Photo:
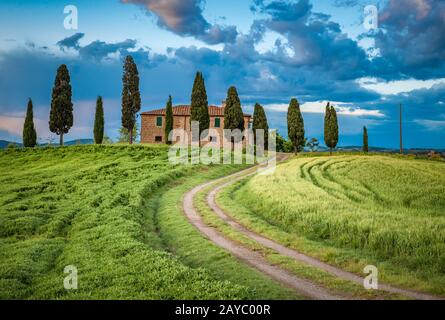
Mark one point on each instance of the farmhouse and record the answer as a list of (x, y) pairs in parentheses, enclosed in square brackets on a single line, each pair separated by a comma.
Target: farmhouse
[(153, 122)]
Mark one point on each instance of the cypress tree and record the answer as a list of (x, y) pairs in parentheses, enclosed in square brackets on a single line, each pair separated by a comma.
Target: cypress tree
[(29, 131), (61, 114), (99, 122), (199, 105), (330, 128), (365, 140), (131, 98), (295, 125), (260, 122), (233, 113), (168, 119)]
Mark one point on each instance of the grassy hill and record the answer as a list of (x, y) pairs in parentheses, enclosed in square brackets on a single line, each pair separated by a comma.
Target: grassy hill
[(113, 212), (356, 210), (86, 206)]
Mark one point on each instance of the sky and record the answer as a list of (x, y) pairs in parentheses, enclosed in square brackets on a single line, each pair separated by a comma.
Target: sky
[(365, 64)]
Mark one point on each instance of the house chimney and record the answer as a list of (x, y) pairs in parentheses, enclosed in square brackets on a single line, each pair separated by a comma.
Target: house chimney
[(223, 105)]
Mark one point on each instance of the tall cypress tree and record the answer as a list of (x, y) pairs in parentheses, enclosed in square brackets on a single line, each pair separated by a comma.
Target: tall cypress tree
[(99, 122), (233, 113), (260, 122), (61, 114), (330, 128), (295, 125), (168, 119), (131, 98), (365, 140), (199, 105), (29, 131)]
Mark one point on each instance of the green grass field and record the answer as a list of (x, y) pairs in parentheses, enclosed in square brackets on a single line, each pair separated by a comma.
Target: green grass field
[(352, 211), (115, 213)]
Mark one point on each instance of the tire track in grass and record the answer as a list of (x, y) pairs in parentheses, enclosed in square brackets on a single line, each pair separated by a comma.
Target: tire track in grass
[(312, 178), (248, 256), (323, 175), (354, 193), (285, 251)]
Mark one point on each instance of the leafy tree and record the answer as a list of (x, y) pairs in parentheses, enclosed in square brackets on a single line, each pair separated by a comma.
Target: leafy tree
[(61, 114), (330, 128), (108, 140), (124, 134), (99, 122), (295, 125), (199, 105), (131, 98), (284, 145), (29, 131), (11, 146), (313, 144), (168, 119), (365, 140), (260, 122)]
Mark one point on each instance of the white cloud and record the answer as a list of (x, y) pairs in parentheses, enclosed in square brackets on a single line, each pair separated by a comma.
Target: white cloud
[(12, 125), (431, 125), (343, 108), (396, 87), (269, 40)]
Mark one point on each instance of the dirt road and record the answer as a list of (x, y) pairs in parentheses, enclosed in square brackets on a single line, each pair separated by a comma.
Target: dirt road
[(302, 286)]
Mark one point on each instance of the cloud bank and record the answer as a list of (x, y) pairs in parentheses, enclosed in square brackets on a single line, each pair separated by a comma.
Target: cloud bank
[(185, 18)]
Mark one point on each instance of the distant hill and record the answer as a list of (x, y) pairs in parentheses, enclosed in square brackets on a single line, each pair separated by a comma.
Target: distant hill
[(79, 141), (4, 144), (72, 142), (385, 150)]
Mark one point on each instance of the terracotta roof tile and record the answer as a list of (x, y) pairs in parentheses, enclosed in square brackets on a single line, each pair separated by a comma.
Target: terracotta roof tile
[(184, 110)]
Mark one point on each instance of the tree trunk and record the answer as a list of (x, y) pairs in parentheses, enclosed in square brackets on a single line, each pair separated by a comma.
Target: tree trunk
[(61, 139), (296, 150), (131, 135), (330, 151)]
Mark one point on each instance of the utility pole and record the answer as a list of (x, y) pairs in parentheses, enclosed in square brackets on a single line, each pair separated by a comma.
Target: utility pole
[(401, 131)]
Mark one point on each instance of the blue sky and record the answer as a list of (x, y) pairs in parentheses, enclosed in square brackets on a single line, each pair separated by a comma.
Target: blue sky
[(316, 51)]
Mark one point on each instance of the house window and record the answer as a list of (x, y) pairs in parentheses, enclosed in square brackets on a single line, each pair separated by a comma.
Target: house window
[(159, 121), (213, 139), (158, 139), (217, 122)]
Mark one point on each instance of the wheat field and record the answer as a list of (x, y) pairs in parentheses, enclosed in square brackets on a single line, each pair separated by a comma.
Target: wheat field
[(386, 208)]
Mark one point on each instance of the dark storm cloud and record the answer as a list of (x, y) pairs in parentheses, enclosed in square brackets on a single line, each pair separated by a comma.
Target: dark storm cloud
[(71, 42), (314, 39), (411, 39), (312, 60), (100, 49), (185, 18), (283, 10)]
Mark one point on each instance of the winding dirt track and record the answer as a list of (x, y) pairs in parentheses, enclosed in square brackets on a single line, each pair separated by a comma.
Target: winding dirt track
[(302, 286)]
